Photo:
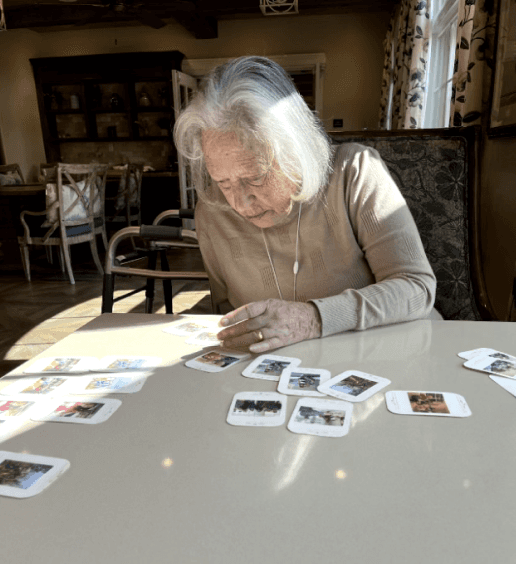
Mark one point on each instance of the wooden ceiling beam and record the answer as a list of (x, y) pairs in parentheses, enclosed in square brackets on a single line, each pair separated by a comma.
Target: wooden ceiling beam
[(199, 25)]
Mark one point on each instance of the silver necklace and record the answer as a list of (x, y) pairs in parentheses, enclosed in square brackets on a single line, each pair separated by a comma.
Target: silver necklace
[(295, 268)]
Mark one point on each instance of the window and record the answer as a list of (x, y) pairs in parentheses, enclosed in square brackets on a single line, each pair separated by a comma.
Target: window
[(442, 58)]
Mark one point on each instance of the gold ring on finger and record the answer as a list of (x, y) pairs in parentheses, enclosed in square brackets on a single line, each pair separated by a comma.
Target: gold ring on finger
[(259, 334)]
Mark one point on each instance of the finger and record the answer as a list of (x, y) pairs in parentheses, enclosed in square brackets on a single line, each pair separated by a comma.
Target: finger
[(267, 345), (243, 313), (242, 328), (242, 341)]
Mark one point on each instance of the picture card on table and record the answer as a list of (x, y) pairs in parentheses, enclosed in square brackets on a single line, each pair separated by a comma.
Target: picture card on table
[(353, 385), (188, 326), (216, 360), (42, 386), (490, 365), (70, 410), (433, 404), (26, 475), (322, 417), (469, 355), (63, 364), (507, 384), (204, 339), (108, 384), (16, 406), (300, 381), (127, 363), (257, 409), (270, 367)]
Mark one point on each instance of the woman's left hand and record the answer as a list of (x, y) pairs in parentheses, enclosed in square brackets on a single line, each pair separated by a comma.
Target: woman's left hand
[(270, 324)]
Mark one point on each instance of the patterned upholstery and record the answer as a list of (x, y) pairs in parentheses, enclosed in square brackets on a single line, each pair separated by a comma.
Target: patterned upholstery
[(432, 174)]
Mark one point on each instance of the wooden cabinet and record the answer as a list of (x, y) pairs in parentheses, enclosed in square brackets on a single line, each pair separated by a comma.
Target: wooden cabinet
[(124, 100)]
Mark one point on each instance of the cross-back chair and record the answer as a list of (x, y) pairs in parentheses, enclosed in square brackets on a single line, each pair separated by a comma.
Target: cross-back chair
[(74, 213), (125, 206), (438, 173)]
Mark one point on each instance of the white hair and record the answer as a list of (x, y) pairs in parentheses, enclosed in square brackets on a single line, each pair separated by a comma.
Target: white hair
[(255, 98)]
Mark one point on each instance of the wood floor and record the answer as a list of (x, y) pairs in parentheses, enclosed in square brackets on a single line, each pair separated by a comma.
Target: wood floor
[(34, 315)]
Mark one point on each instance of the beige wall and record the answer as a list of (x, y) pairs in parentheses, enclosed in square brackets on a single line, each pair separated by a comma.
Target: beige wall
[(352, 44)]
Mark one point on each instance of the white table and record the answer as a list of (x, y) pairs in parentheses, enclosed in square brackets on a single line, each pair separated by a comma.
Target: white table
[(396, 489)]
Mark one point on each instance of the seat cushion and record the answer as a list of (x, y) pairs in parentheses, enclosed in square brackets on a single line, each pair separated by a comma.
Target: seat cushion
[(72, 230), (39, 229)]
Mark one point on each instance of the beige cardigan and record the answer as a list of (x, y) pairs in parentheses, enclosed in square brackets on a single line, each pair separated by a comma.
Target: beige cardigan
[(361, 260)]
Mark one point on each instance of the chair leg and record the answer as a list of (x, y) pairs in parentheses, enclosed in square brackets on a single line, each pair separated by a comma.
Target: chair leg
[(167, 284), (50, 256), (108, 290), (149, 289), (104, 239), (96, 259), (61, 258), (24, 250), (68, 262)]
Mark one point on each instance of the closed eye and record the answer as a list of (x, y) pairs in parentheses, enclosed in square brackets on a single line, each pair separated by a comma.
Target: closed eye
[(224, 185), (257, 181)]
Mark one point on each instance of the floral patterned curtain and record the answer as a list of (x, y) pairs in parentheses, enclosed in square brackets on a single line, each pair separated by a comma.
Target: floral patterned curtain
[(474, 62), (405, 67)]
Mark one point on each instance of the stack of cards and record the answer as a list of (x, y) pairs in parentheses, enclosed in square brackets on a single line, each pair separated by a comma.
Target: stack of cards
[(199, 332), (501, 366), (204, 334)]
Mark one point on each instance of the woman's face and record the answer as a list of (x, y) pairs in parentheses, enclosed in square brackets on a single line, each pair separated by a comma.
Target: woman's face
[(264, 200)]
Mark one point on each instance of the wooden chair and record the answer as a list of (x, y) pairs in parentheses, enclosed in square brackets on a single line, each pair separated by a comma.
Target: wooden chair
[(126, 205), (11, 174), (124, 208), (438, 173), (74, 213)]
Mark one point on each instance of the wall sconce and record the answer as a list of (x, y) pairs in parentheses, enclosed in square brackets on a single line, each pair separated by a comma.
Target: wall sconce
[(3, 27), (278, 7)]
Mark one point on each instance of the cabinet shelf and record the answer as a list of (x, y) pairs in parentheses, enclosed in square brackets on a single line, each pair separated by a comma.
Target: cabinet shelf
[(151, 109), (104, 111), (70, 134), (64, 112)]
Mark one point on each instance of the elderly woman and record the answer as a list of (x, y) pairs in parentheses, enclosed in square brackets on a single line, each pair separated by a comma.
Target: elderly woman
[(299, 240)]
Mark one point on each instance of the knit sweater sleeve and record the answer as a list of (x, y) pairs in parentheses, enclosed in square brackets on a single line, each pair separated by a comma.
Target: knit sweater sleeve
[(385, 230)]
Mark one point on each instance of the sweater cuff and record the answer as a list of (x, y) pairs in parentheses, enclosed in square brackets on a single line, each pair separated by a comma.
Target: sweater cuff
[(338, 313)]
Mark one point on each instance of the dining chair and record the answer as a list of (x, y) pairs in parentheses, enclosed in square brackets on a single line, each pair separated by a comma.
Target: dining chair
[(125, 207), (74, 213), (438, 173), (11, 174), (158, 240)]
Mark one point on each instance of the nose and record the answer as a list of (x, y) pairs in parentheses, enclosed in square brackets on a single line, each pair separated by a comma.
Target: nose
[(243, 197)]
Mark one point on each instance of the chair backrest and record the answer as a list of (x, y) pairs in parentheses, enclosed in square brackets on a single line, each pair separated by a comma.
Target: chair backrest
[(47, 172), (75, 193), (128, 198), (437, 171), (11, 174)]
